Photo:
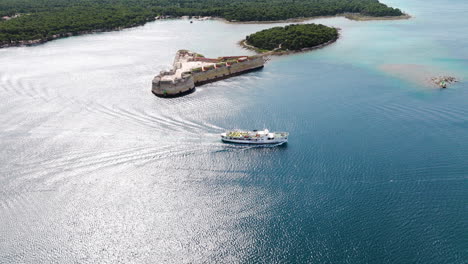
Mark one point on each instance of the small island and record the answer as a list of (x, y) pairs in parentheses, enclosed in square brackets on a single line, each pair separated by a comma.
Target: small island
[(291, 38)]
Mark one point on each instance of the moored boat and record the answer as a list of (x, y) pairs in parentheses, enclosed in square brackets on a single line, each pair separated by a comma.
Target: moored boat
[(254, 137)]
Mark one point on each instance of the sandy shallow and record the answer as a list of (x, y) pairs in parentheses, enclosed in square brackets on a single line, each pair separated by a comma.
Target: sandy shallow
[(415, 73)]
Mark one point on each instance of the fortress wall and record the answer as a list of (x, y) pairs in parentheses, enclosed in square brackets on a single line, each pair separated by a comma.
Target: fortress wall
[(226, 72), (211, 74), (170, 88), (247, 65), (189, 80), (206, 60)]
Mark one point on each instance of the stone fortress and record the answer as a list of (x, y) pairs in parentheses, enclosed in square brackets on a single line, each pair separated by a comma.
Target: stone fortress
[(191, 69)]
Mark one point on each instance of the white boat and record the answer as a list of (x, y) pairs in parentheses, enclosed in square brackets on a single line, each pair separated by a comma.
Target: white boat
[(254, 137)]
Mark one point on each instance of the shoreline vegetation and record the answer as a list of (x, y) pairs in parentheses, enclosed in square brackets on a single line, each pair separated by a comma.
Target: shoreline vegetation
[(359, 17), (290, 39), (350, 16), (34, 42), (245, 45), (32, 22)]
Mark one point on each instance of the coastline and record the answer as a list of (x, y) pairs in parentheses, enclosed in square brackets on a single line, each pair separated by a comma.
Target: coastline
[(243, 43), (351, 16), (34, 42), (359, 17)]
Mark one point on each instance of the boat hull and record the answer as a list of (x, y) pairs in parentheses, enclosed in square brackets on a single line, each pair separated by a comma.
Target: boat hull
[(255, 142)]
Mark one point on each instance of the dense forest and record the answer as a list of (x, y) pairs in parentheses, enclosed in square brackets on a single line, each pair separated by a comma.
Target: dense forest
[(292, 37), (42, 19)]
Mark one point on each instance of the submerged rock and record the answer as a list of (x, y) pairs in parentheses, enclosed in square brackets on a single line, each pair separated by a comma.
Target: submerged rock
[(443, 81)]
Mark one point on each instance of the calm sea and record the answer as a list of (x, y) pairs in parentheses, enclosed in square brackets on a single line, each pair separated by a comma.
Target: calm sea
[(95, 169)]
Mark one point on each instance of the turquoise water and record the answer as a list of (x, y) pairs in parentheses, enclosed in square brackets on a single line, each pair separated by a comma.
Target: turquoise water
[(95, 169)]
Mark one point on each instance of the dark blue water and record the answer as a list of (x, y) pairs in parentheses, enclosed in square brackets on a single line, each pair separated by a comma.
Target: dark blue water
[(95, 169), (367, 177)]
